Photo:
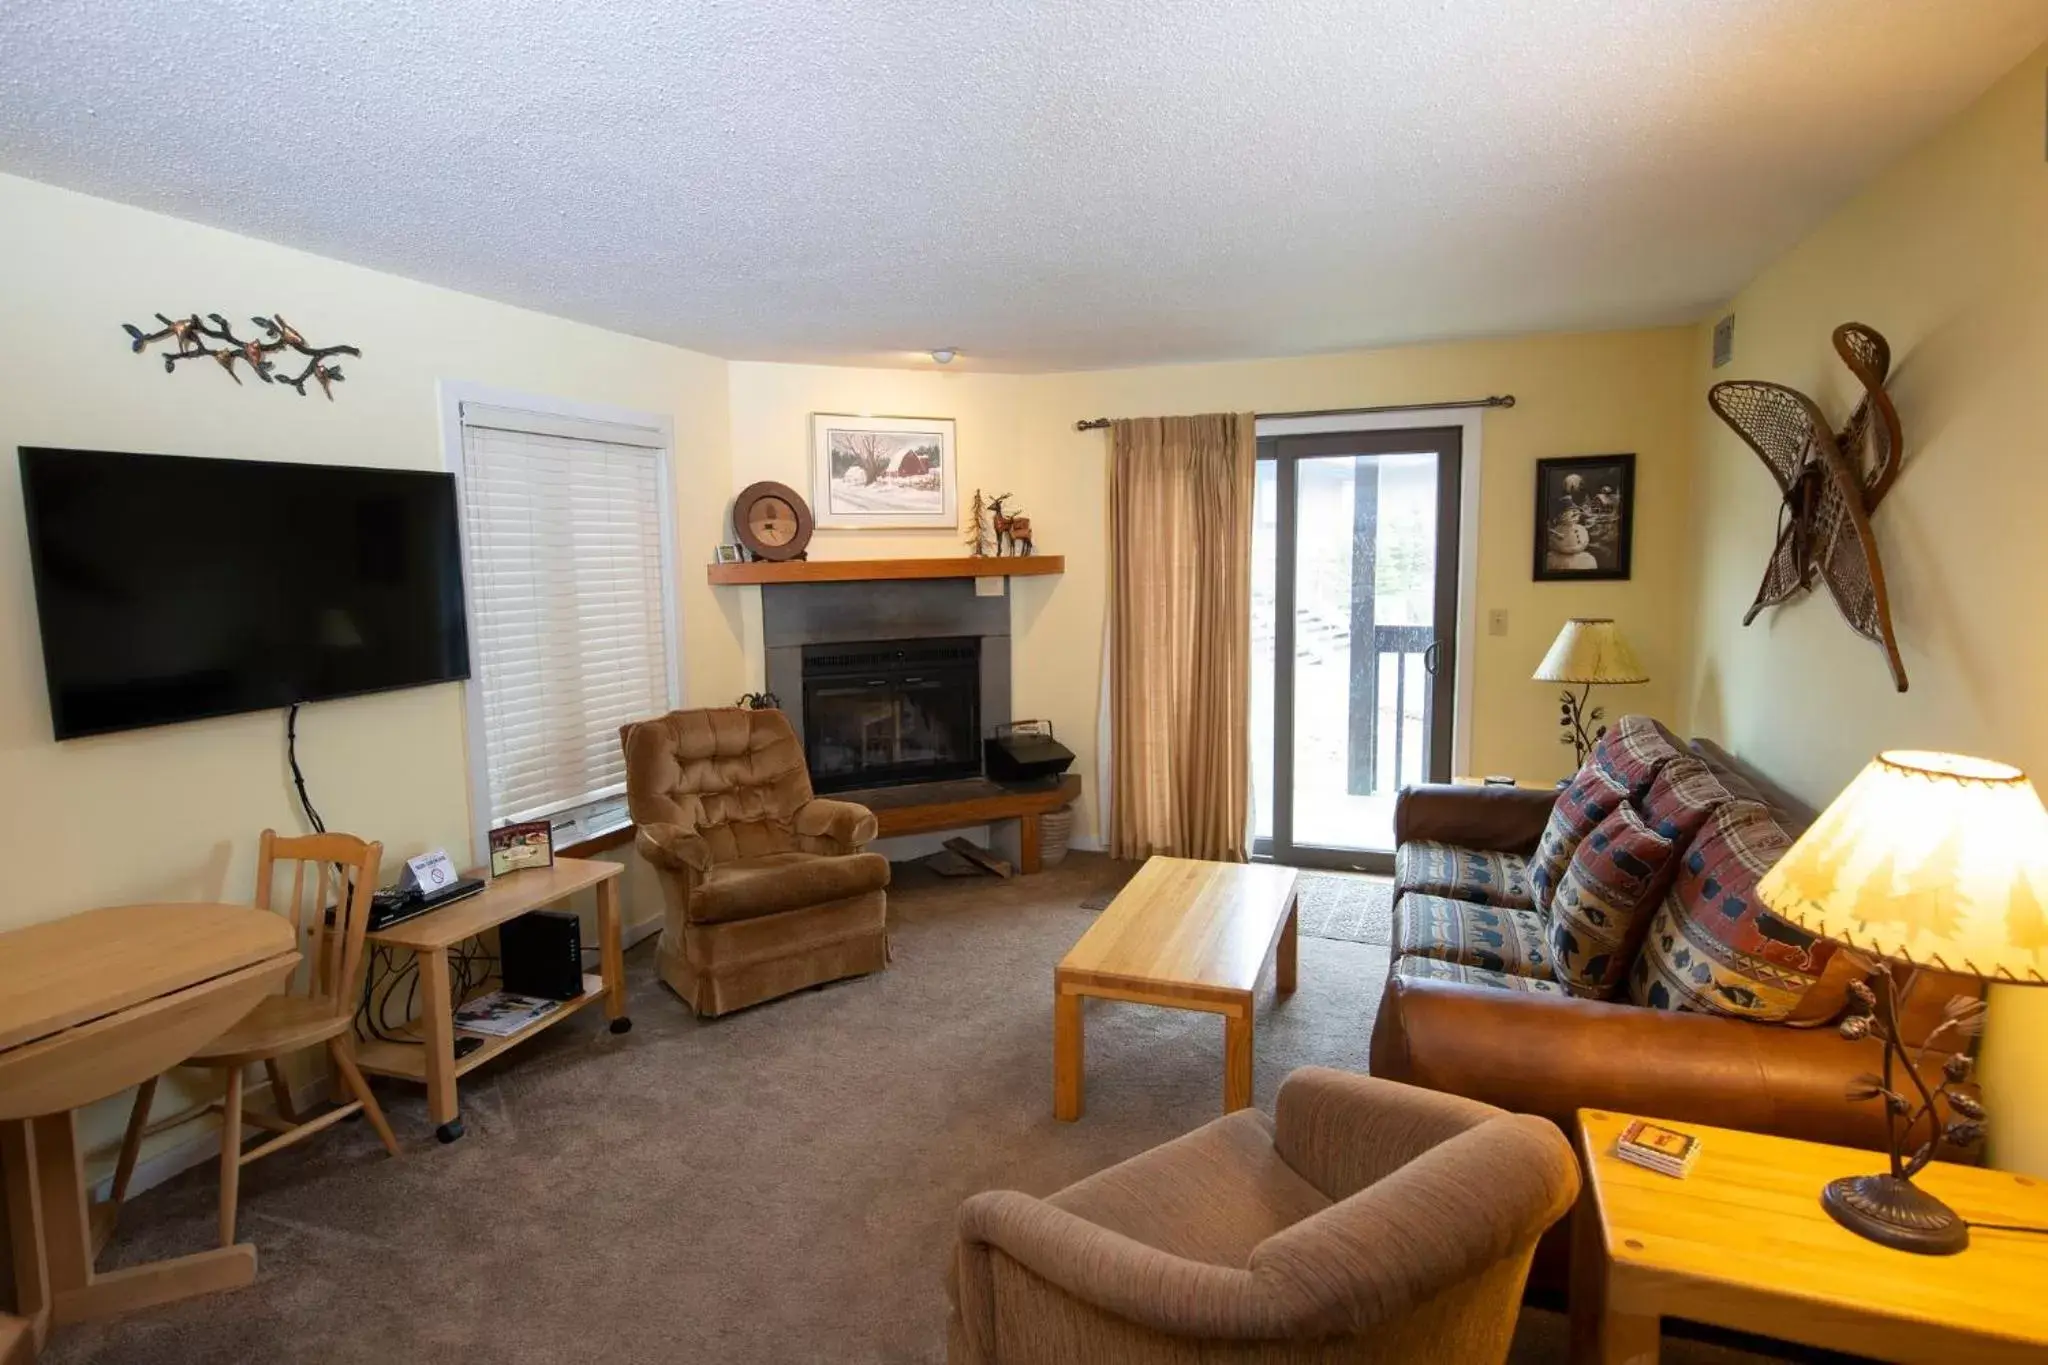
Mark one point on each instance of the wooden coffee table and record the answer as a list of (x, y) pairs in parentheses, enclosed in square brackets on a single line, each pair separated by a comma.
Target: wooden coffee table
[(1189, 935), (1743, 1242)]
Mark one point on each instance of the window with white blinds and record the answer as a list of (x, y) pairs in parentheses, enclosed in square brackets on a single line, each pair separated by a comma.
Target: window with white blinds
[(569, 627)]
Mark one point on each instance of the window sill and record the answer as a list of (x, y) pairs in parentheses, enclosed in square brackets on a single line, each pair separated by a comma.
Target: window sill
[(603, 841)]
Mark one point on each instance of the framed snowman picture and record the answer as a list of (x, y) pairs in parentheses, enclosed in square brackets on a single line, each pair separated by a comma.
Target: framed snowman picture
[(1585, 517)]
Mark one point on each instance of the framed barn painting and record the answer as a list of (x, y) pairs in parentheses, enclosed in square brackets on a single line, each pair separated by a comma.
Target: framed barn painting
[(883, 472), (1585, 517)]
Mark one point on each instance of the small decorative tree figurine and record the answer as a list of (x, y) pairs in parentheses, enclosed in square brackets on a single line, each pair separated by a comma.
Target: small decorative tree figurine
[(977, 527)]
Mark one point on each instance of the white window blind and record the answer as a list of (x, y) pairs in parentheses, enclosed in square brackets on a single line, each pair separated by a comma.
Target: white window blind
[(569, 628)]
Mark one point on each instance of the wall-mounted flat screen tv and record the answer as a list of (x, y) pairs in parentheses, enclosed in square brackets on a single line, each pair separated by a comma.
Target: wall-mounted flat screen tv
[(170, 588)]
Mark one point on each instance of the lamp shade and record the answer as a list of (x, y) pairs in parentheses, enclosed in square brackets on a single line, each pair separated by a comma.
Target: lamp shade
[(1926, 858), (1590, 650)]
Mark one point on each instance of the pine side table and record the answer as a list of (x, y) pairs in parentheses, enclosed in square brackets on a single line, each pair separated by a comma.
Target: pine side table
[(1743, 1242)]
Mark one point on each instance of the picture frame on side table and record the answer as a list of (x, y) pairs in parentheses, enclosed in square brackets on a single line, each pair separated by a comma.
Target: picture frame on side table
[(894, 473), (530, 843), (1585, 518)]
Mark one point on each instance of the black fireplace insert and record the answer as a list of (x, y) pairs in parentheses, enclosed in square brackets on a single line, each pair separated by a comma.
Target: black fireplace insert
[(884, 713)]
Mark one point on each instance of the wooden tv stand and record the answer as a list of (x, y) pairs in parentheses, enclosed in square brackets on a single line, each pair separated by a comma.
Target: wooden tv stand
[(432, 1060), (933, 806)]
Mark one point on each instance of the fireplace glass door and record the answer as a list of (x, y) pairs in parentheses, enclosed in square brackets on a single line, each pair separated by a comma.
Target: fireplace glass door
[(892, 712)]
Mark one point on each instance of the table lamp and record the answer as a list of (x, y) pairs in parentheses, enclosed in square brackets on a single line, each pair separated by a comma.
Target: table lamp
[(1926, 859), (1588, 650)]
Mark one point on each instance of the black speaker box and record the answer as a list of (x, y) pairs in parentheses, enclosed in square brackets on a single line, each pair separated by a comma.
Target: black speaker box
[(542, 954)]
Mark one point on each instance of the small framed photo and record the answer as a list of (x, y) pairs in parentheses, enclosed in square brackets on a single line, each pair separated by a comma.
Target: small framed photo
[(528, 844), (882, 472), (1585, 517), (729, 554)]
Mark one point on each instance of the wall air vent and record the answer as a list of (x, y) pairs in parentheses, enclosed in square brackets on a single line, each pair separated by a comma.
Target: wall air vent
[(1724, 341)]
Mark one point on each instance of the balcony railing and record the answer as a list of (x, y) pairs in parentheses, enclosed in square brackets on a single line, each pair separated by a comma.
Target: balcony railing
[(1373, 768)]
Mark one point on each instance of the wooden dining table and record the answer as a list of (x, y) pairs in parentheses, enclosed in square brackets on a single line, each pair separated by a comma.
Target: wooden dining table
[(89, 1006)]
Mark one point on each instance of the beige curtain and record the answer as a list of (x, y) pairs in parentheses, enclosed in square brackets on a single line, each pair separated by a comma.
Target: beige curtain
[(1180, 506)]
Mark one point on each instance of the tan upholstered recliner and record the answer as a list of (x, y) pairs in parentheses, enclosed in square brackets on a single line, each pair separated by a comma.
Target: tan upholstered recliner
[(1366, 1221), (768, 890)]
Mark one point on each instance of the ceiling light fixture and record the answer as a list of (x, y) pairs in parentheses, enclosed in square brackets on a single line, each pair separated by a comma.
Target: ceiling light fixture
[(944, 355)]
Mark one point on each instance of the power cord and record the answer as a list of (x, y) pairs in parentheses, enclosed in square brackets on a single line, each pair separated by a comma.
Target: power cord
[(472, 966), (291, 750)]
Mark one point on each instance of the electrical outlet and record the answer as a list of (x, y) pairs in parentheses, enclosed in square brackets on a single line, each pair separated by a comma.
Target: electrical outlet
[(1497, 622)]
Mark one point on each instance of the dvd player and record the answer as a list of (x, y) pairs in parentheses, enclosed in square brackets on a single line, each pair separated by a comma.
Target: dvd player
[(396, 904)]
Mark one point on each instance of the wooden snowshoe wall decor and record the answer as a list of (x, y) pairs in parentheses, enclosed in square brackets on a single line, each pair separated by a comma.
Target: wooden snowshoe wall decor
[(1830, 482)]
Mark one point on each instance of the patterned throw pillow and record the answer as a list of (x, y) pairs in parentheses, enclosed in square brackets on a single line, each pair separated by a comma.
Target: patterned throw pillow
[(1633, 750), (1591, 798), (1713, 948), (1608, 891), (1681, 798)]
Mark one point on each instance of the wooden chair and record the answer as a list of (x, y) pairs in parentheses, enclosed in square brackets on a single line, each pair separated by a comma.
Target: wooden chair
[(317, 1006)]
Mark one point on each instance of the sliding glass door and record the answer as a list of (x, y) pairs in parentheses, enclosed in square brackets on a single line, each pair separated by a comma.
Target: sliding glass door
[(1354, 637)]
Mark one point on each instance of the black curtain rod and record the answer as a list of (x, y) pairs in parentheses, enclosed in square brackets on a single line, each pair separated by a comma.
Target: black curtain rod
[(1499, 400)]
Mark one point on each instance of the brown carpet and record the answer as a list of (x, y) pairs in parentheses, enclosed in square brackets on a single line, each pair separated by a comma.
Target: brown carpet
[(775, 1186)]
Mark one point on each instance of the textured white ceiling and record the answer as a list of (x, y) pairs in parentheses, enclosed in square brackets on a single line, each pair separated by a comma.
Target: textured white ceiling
[(1046, 184)]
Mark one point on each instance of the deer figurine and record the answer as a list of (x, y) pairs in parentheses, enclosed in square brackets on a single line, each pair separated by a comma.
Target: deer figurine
[(1001, 523), (1013, 533)]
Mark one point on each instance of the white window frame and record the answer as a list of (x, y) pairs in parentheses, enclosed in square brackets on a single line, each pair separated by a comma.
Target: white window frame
[(451, 395)]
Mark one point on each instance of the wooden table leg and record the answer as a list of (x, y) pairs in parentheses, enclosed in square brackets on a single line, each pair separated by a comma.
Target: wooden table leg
[(1237, 1058), (17, 1340), (77, 1293), (1028, 857), (25, 1227), (67, 1225), (439, 1018), (612, 953), (1068, 1046), (1285, 957), (1600, 1334)]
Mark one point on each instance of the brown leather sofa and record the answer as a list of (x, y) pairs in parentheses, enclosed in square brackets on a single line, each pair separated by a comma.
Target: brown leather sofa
[(1551, 1054), (768, 889)]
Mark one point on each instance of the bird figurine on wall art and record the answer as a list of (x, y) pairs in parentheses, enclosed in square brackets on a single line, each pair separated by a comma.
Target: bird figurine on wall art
[(1830, 483)]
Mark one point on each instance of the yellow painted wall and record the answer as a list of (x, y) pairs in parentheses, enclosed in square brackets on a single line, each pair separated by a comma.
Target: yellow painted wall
[(1946, 254), (1576, 395), (174, 813)]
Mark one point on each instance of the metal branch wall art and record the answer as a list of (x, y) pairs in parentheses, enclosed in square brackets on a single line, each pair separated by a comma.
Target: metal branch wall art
[(191, 337), (1830, 483)]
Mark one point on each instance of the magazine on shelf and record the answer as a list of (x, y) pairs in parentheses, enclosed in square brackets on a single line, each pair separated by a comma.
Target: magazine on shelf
[(503, 1013)]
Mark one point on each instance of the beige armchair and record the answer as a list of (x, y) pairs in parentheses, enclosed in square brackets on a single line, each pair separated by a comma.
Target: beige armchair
[(1366, 1221), (768, 889)]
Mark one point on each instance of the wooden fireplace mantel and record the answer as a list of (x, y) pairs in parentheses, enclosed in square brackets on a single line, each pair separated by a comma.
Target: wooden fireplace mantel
[(872, 570)]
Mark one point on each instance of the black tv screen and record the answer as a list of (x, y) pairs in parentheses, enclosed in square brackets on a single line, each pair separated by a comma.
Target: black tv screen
[(170, 588)]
